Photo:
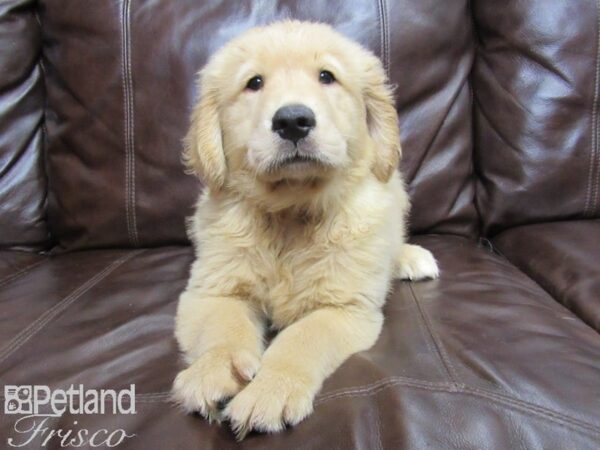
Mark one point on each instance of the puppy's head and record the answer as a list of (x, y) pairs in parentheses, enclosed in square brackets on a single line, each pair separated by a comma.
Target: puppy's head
[(288, 108)]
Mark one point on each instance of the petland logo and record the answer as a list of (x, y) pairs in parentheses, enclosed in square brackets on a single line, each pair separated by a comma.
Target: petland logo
[(37, 404)]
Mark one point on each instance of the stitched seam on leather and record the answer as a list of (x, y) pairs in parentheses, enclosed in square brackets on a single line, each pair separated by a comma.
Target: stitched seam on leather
[(539, 411), (380, 20), (530, 407), (125, 119), (384, 34), (166, 395), (434, 337), (428, 341), (33, 328), (129, 123), (132, 125), (382, 384), (24, 270), (595, 124), (378, 386), (151, 397), (592, 186), (378, 430)]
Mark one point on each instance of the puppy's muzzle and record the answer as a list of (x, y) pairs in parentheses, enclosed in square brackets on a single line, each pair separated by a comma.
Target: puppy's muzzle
[(293, 122)]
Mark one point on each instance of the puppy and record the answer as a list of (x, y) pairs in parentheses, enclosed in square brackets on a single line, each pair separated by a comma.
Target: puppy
[(301, 226)]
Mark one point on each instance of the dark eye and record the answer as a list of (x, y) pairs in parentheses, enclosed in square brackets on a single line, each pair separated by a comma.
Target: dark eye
[(255, 83), (326, 77)]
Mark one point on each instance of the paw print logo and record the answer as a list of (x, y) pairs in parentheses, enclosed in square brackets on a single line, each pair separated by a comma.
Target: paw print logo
[(18, 399)]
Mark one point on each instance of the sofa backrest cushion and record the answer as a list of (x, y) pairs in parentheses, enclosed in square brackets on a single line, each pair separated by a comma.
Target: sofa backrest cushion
[(22, 177), (121, 84), (537, 90)]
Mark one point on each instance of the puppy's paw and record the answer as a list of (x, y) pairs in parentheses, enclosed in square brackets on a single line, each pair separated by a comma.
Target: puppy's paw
[(213, 378), (269, 402), (416, 263)]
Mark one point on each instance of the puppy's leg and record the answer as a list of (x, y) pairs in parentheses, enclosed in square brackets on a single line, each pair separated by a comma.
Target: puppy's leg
[(222, 339), (413, 262), (295, 365)]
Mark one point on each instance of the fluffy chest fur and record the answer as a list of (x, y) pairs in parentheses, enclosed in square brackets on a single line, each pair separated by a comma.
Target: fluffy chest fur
[(288, 264)]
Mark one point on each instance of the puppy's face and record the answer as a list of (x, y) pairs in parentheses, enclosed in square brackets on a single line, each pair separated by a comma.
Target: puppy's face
[(291, 104), (291, 117)]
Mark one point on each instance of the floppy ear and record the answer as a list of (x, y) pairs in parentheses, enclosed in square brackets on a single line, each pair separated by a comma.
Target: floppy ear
[(382, 120), (203, 154)]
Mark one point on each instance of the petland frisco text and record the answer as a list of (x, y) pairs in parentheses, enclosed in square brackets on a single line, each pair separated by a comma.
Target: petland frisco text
[(38, 405)]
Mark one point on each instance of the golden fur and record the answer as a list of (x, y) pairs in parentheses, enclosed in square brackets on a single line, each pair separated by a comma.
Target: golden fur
[(308, 248)]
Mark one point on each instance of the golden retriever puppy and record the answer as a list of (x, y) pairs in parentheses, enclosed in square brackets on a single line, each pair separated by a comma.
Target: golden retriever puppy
[(301, 227)]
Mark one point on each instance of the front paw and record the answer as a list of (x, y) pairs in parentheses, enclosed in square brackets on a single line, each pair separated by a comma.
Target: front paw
[(416, 263), (216, 376), (272, 400)]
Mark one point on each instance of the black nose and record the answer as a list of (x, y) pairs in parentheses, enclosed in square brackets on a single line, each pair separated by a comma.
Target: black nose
[(293, 122)]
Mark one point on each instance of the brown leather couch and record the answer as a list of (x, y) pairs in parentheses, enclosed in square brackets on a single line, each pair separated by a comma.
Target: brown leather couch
[(499, 105)]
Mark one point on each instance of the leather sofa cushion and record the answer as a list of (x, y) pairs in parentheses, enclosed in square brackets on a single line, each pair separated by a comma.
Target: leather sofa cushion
[(120, 85), (22, 177), (564, 258), (14, 264), (535, 85), (482, 355)]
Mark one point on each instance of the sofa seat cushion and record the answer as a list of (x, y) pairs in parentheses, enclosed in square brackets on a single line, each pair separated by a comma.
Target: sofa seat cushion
[(564, 258), (14, 264), (481, 357)]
